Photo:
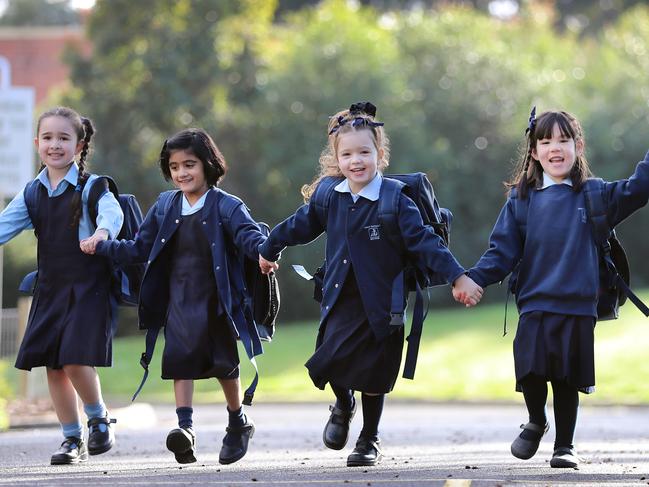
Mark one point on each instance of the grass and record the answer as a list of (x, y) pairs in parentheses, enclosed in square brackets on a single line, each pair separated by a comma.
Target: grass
[(463, 357)]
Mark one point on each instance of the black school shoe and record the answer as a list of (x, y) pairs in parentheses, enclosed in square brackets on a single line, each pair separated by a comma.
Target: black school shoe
[(524, 448), (72, 450), (336, 431), (235, 442), (564, 457), (182, 443), (366, 453), (100, 441)]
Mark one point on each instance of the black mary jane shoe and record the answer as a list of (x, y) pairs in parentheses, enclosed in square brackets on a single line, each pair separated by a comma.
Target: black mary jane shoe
[(235, 442), (564, 457), (336, 431), (182, 443), (100, 441), (72, 450), (526, 448), (366, 453)]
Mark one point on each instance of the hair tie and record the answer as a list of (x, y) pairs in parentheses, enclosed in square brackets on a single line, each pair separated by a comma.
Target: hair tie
[(78, 187), (532, 121)]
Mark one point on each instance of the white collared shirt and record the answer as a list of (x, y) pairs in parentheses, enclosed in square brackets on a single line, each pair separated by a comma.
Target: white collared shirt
[(370, 191), (548, 181), (188, 209)]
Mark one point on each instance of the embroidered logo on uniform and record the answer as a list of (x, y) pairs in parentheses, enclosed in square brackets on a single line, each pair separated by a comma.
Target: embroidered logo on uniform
[(373, 232), (582, 215)]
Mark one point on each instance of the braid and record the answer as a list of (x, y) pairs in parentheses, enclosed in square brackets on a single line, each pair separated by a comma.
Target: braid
[(76, 204)]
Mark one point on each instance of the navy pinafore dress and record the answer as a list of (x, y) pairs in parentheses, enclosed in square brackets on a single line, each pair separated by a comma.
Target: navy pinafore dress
[(71, 318), (199, 342)]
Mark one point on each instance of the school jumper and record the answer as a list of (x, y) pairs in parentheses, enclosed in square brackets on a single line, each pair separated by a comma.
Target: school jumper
[(72, 316), (558, 277), (356, 348), (188, 283)]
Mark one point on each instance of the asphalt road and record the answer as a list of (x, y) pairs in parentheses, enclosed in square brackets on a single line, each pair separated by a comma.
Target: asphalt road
[(424, 444)]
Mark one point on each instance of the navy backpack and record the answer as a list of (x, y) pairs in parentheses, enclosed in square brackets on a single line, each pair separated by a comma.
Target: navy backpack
[(126, 279)]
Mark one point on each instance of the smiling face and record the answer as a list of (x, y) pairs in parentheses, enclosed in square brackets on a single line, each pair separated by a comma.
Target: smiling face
[(557, 154), (187, 174), (57, 142), (358, 157)]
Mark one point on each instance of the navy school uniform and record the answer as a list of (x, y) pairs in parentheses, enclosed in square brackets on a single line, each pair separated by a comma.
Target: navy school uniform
[(72, 316), (189, 285), (558, 278), (356, 348)]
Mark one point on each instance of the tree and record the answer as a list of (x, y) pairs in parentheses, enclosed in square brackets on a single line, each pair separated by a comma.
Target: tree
[(21, 13)]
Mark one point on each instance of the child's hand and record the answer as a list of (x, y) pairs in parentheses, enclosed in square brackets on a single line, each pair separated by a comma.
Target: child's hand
[(466, 291), (267, 266), (88, 245)]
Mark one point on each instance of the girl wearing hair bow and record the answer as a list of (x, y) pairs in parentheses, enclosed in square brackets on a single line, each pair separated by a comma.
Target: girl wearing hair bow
[(357, 349), (555, 256)]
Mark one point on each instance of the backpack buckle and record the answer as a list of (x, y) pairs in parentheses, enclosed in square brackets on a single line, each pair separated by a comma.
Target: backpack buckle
[(396, 319), (247, 398), (144, 361)]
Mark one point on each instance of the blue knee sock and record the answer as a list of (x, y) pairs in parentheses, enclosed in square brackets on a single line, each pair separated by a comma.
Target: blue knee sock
[(74, 430), (97, 410), (185, 417)]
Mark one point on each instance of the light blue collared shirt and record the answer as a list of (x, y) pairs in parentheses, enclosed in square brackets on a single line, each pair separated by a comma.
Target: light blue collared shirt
[(548, 181), (188, 209), (370, 192), (15, 217)]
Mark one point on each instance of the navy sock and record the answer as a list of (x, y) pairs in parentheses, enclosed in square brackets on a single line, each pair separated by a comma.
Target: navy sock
[(566, 407), (535, 392), (185, 417), (372, 410), (344, 397), (236, 417)]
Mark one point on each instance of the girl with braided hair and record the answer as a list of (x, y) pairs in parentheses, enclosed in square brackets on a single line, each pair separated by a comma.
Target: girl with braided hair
[(544, 234), (357, 347), (71, 319), (192, 239)]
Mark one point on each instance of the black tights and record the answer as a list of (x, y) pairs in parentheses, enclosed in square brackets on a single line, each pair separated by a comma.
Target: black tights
[(566, 406), (372, 409)]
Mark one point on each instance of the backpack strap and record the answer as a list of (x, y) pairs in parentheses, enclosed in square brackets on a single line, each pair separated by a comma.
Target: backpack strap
[(388, 207), (247, 333), (99, 187), (165, 201), (322, 196), (32, 193)]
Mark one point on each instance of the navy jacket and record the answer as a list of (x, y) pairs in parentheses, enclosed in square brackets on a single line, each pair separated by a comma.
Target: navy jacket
[(226, 232), (355, 238), (559, 266)]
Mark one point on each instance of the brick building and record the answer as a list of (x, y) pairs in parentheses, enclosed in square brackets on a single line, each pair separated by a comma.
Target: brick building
[(35, 55)]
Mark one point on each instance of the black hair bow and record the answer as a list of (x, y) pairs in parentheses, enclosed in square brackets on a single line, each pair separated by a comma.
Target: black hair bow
[(532, 121), (363, 107)]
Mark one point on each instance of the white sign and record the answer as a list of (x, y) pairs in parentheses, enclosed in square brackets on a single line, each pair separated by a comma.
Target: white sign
[(16, 139)]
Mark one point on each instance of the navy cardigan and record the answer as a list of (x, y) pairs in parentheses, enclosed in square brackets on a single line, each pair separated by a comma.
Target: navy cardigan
[(227, 225), (355, 238)]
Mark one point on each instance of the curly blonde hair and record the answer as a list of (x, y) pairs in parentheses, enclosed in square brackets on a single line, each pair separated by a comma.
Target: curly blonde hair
[(344, 122)]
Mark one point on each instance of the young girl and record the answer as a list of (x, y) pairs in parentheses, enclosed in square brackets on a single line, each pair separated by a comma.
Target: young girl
[(71, 318), (355, 348), (558, 269), (188, 238)]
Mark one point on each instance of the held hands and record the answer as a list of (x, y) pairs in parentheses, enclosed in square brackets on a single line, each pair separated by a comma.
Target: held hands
[(466, 291), (267, 266), (88, 245)]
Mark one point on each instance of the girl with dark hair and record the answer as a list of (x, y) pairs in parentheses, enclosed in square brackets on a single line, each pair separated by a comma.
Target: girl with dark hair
[(357, 349), (192, 239), (72, 293), (556, 260)]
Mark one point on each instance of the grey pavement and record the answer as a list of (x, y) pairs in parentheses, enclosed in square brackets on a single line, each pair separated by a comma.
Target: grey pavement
[(424, 445)]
